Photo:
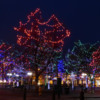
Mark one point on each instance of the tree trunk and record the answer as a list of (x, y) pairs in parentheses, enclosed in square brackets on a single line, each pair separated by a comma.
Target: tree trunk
[(21, 80), (91, 83), (77, 79), (82, 81), (46, 80), (66, 79), (36, 85), (57, 71)]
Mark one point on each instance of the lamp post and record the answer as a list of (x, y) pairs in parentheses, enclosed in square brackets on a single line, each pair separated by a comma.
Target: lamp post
[(73, 78), (84, 75), (92, 83), (17, 80), (30, 75), (9, 75), (48, 82)]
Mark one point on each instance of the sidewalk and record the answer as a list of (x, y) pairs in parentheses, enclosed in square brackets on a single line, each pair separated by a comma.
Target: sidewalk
[(74, 96), (7, 94)]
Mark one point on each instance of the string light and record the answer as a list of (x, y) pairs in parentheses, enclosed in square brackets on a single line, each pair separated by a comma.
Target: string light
[(5, 59), (96, 58), (33, 29)]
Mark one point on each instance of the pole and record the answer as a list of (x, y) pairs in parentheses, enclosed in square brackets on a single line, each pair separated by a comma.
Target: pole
[(72, 84), (86, 81)]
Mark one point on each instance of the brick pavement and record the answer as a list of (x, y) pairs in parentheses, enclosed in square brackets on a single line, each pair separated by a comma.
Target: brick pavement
[(7, 94)]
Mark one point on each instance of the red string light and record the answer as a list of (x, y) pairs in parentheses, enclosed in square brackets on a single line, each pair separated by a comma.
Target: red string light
[(96, 58), (33, 29)]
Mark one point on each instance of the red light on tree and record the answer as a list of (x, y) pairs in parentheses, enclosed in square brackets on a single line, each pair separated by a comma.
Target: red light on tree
[(5, 59), (51, 31), (96, 58)]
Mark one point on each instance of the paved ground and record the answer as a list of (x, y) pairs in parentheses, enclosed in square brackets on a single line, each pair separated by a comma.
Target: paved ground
[(17, 94)]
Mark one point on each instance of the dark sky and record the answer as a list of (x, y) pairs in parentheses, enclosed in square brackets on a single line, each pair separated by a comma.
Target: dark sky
[(81, 17)]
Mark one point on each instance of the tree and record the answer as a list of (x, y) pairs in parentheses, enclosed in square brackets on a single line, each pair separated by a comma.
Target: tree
[(42, 39), (72, 65), (80, 57), (72, 62), (95, 63), (6, 62), (95, 58), (84, 52), (9, 60)]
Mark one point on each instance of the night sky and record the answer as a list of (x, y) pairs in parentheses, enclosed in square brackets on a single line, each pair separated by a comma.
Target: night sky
[(81, 17)]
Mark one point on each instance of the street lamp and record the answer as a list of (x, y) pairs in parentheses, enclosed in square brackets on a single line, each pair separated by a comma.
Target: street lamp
[(29, 74), (17, 75), (84, 74), (9, 74)]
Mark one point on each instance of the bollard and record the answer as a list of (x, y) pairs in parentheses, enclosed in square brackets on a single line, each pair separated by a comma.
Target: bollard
[(53, 96), (24, 97), (82, 95), (59, 90)]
